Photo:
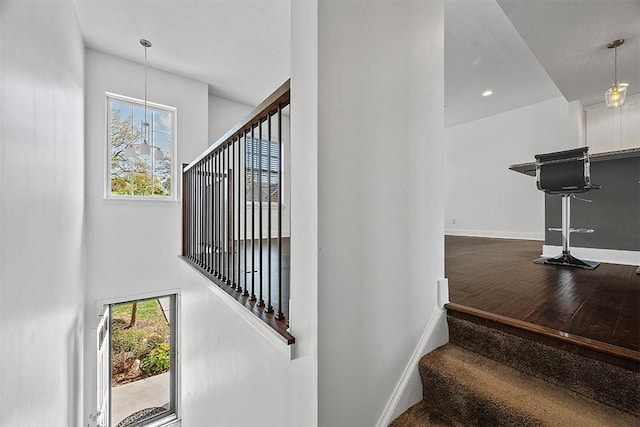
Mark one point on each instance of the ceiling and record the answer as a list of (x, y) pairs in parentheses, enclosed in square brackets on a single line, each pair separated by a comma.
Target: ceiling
[(483, 51), (531, 51), (241, 48), (525, 51), (572, 43)]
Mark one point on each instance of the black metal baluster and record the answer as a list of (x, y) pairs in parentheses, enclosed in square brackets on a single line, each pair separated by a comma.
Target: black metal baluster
[(253, 215), (245, 235), (200, 236), (192, 213), (220, 213), (232, 212), (269, 308), (186, 198), (225, 198), (209, 211), (279, 315), (217, 213), (240, 176), (197, 213), (214, 212), (261, 299), (205, 217)]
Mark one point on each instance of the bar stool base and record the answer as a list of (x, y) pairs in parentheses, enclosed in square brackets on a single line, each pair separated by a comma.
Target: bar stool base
[(568, 260)]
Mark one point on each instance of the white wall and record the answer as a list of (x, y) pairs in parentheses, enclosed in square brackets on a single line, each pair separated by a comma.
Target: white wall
[(483, 196), (224, 114), (577, 126), (611, 129), (227, 366), (41, 214), (380, 197)]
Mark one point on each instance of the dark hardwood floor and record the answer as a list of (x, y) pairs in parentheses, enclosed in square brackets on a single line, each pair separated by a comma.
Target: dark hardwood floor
[(498, 276)]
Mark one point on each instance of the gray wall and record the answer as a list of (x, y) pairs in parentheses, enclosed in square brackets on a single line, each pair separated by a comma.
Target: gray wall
[(614, 213)]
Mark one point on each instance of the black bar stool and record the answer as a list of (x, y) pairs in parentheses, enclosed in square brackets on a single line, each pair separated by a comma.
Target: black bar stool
[(566, 173)]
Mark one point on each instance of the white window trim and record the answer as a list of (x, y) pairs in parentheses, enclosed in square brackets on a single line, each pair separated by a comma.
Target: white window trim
[(174, 167)]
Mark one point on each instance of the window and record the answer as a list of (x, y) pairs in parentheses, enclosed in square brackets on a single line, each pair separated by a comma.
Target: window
[(137, 367), (261, 168), (141, 150)]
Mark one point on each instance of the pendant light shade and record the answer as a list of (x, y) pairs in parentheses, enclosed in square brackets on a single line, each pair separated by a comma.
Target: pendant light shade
[(158, 154), (145, 150), (130, 152), (616, 94)]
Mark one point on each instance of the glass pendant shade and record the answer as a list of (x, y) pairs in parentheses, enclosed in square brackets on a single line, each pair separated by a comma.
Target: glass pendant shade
[(158, 154), (130, 152), (615, 95), (145, 150)]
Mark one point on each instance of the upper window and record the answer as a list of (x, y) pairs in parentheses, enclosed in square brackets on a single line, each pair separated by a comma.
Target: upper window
[(141, 149), (262, 159)]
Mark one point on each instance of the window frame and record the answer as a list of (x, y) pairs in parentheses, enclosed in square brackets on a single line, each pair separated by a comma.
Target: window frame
[(282, 148), (173, 418), (174, 145)]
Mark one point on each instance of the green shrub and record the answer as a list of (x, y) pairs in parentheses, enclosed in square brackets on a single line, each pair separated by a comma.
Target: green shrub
[(155, 340), (157, 361), (132, 341)]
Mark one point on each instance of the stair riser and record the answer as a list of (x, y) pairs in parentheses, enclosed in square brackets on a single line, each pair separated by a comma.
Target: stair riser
[(448, 396), (591, 378)]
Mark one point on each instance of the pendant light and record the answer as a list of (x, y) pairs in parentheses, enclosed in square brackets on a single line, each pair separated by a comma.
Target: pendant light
[(615, 95), (144, 126), (144, 147)]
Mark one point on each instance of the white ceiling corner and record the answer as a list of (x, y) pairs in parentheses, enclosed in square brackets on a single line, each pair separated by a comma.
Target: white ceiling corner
[(240, 48), (569, 38), (484, 51)]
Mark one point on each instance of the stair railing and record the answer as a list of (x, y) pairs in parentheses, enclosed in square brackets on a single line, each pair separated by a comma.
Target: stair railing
[(226, 236)]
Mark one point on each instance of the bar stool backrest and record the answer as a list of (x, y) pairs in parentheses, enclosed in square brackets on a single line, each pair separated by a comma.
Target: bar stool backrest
[(564, 172)]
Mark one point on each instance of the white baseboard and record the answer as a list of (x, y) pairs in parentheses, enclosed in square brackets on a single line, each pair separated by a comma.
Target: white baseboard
[(521, 235), (611, 256), (411, 369)]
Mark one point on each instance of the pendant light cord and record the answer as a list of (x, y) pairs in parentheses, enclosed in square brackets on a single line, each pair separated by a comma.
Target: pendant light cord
[(615, 66), (145, 91)]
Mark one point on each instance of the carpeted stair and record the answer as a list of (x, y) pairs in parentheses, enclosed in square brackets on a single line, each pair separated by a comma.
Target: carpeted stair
[(486, 377)]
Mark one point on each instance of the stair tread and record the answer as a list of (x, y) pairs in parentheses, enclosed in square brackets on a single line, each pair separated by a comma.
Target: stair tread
[(422, 415), (606, 383), (540, 401)]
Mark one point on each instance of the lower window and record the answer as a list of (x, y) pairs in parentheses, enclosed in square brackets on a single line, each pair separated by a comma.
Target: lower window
[(136, 344)]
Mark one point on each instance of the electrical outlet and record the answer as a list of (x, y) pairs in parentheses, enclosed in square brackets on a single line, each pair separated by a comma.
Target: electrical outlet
[(453, 220)]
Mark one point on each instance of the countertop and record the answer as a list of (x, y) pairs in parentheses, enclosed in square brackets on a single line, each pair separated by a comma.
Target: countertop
[(530, 168)]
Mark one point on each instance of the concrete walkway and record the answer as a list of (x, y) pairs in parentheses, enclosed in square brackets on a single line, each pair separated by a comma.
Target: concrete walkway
[(129, 398)]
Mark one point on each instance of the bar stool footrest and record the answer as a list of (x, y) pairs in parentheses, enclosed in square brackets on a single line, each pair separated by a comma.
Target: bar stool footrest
[(573, 230)]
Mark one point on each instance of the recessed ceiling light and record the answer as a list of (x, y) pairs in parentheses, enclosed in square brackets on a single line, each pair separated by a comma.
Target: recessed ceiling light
[(487, 93)]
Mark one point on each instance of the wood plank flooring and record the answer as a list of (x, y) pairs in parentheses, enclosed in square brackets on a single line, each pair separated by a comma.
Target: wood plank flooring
[(499, 276)]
